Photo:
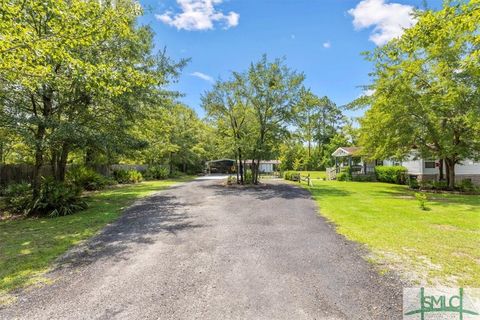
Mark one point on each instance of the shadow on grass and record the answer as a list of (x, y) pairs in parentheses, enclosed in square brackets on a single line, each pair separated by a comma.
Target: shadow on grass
[(138, 225)]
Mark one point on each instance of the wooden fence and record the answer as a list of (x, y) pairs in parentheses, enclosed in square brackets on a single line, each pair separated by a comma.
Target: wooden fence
[(16, 173)]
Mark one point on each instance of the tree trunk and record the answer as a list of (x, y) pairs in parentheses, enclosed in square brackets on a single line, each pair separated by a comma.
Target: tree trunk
[(237, 169), (440, 168), (450, 173), (36, 180), (54, 162), (244, 171), (2, 153), (62, 164), (47, 104), (309, 154), (253, 169), (240, 169)]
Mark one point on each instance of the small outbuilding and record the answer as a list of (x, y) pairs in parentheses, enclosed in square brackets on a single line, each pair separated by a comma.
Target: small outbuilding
[(220, 166)]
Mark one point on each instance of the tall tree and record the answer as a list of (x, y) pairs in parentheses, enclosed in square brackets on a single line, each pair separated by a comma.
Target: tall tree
[(273, 90), (426, 89), (317, 121), (66, 66), (228, 107)]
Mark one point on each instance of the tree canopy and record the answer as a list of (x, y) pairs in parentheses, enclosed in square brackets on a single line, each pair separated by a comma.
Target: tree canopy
[(426, 90)]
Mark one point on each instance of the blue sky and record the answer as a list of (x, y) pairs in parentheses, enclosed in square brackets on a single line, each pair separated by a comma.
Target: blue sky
[(322, 38)]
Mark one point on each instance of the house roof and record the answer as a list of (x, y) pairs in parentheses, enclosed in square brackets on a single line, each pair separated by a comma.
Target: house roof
[(347, 151), (220, 160)]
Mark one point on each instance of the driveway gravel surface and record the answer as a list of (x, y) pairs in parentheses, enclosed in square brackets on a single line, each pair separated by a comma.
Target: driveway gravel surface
[(201, 250)]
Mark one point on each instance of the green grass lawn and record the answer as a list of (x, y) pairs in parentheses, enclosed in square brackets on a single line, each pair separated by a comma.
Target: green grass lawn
[(437, 246), (28, 247)]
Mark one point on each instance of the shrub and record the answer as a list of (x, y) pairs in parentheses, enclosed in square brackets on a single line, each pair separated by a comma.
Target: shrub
[(422, 200), (248, 177), (127, 176), (287, 175), (231, 180), (19, 197), (466, 185), (426, 184), (413, 183), (439, 185), (395, 174), (57, 199), (156, 173), (292, 175), (87, 178), (345, 174)]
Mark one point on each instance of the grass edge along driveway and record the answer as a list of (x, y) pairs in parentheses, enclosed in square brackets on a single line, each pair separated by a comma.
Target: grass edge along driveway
[(28, 247), (440, 246)]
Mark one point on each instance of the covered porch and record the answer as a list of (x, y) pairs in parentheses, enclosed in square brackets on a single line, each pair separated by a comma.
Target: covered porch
[(350, 157)]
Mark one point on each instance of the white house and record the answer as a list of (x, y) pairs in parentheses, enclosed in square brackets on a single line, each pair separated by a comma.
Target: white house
[(429, 169), (266, 166), (423, 169)]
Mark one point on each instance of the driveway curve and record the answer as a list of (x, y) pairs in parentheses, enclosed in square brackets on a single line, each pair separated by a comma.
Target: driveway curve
[(201, 250)]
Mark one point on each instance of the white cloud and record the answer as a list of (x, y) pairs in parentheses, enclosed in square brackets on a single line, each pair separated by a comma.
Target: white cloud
[(327, 45), (369, 92), (202, 76), (199, 15), (388, 19), (292, 37)]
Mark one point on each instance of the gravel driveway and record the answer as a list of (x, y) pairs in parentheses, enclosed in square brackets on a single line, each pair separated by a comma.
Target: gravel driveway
[(204, 251)]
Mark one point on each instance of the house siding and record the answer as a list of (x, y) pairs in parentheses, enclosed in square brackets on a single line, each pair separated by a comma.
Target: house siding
[(468, 169)]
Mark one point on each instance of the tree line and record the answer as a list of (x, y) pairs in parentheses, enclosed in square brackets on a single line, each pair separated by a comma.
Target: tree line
[(262, 112), (80, 81), (426, 94)]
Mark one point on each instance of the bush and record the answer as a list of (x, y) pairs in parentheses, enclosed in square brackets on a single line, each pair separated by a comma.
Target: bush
[(19, 197), (87, 178), (466, 185), (292, 175), (127, 176), (231, 180), (345, 174), (395, 174), (287, 175), (248, 177), (422, 200), (439, 185), (156, 173), (57, 199), (426, 184), (413, 183)]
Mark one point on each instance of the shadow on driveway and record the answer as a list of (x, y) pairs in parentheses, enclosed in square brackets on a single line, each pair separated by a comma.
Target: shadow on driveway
[(268, 191), (138, 225)]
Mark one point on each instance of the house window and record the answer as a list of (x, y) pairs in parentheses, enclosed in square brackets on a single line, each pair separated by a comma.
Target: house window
[(430, 164), (379, 162)]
